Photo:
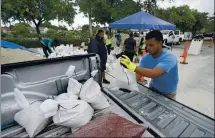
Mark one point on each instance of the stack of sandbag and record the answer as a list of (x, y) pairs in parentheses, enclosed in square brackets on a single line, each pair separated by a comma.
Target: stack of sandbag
[(68, 50), (72, 109), (90, 91)]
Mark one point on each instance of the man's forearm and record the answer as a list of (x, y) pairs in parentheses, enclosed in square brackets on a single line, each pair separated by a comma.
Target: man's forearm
[(138, 76), (150, 73)]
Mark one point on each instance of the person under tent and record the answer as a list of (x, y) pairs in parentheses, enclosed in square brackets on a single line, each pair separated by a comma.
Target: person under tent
[(130, 46), (118, 38)]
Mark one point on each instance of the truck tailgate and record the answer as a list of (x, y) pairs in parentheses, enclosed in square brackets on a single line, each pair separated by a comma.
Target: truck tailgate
[(165, 117)]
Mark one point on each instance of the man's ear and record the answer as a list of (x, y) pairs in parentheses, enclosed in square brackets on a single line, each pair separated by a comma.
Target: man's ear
[(161, 43)]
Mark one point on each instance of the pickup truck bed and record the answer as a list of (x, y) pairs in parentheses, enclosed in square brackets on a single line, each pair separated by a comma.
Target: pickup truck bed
[(43, 78)]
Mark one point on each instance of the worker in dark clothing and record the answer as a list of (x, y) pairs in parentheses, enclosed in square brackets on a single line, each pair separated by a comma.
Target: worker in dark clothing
[(130, 46), (98, 46), (47, 44)]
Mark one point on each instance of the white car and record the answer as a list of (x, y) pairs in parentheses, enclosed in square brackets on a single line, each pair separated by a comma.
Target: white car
[(170, 37)]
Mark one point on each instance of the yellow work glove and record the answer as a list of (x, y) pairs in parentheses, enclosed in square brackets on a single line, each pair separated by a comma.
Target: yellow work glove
[(126, 62)]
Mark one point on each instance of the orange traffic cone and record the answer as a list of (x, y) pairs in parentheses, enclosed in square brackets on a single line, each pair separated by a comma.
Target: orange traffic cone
[(187, 44), (185, 53), (211, 44), (185, 58)]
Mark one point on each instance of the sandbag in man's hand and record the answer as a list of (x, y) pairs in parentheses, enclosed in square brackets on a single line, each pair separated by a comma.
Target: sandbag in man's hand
[(126, 62)]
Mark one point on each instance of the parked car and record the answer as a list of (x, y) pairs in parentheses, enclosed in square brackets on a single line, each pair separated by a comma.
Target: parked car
[(198, 36), (170, 37), (179, 34), (208, 34)]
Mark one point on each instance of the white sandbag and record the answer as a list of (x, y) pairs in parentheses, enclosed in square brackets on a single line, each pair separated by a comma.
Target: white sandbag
[(66, 96), (73, 114), (32, 119), (20, 99), (113, 65), (49, 107), (74, 87), (108, 68), (91, 92), (93, 73), (70, 71), (83, 44), (125, 78), (69, 113)]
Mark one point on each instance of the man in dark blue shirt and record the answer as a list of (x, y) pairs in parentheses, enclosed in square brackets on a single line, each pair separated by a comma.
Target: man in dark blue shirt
[(97, 46)]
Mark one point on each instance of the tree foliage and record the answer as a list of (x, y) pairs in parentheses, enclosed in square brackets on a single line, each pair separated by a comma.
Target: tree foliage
[(211, 26), (183, 17), (37, 11), (21, 29)]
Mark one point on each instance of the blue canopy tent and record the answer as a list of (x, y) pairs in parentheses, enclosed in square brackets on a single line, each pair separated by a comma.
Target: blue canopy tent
[(142, 20)]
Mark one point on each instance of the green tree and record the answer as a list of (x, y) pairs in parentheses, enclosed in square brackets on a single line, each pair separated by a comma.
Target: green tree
[(200, 22), (37, 11), (210, 26), (21, 29), (51, 33), (183, 17), (106, 11)]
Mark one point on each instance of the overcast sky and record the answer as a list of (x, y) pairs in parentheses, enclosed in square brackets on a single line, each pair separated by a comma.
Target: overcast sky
[(200, 5)]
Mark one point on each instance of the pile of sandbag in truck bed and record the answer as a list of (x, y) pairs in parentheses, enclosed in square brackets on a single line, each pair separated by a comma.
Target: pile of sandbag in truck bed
[(73, 109)]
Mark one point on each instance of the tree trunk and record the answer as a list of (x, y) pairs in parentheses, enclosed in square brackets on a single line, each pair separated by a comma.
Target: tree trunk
[(38, 31), (90, 26)]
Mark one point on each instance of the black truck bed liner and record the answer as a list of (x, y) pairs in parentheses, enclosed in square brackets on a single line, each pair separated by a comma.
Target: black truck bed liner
[(165, 117)]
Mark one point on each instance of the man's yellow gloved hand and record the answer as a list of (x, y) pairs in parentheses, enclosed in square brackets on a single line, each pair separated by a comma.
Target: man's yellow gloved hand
[(126, 62)]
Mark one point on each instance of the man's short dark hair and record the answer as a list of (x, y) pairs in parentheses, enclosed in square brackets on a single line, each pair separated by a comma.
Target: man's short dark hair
[(100, 31), (156, 34), (131, 34)]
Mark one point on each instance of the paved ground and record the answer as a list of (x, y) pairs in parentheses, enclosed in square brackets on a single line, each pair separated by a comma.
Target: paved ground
[(196, 79)]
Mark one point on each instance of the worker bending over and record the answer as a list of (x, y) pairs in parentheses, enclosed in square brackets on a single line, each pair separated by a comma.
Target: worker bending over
[(158, 64), (46, 44)]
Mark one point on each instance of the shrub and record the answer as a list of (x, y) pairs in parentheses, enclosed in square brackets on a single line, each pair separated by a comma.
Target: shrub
[(34, 42)]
